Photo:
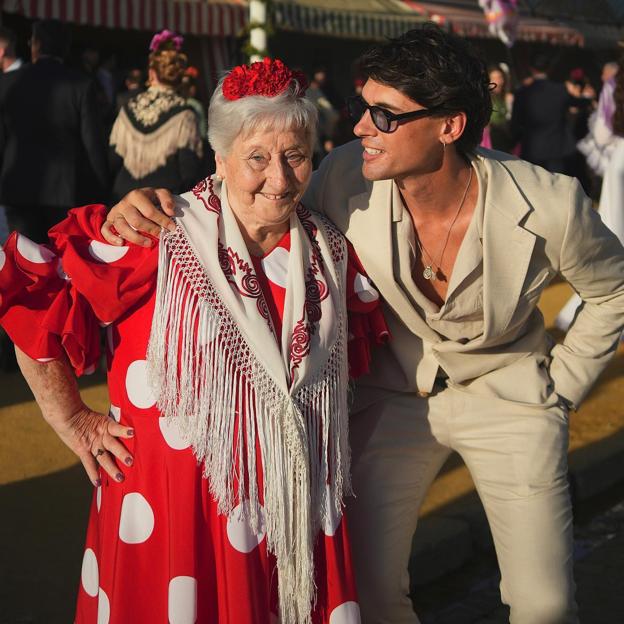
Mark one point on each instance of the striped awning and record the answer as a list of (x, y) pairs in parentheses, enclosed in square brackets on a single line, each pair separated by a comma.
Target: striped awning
[(470, 22), (190, 17), (370, 20)]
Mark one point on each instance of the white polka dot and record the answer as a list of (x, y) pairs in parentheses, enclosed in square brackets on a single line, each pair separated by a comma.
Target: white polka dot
[(103, 608), (106, 253), (98, 497), (138, 388), (170, 429), (239, 533), (33, 252), (44, 360), (346, 613), (2, 259), (275, 266), (334, 515), (61, 271), (114, 412), (105, 323), (89, 575), (364, 289), (137, 519), (182, 600)]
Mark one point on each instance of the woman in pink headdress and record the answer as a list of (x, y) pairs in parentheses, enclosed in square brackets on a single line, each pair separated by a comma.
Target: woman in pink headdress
[(156, 138), (221, 471)]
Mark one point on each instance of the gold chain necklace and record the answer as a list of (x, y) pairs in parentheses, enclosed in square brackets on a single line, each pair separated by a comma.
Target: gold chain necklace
[(429, 273)]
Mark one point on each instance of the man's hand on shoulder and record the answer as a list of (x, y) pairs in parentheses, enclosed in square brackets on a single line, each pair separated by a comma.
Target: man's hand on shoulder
[(142, 210)]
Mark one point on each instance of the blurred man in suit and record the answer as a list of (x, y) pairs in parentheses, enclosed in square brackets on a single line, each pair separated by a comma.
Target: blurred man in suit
[(539, 119), (52, 146)]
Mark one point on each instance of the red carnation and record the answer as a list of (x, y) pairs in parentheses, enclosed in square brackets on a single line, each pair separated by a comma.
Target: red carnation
[(267, 78)]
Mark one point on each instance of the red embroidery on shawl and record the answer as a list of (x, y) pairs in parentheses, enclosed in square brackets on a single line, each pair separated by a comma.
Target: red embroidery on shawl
[(315, 291), (229, 261), (249, 284), (213, 203)]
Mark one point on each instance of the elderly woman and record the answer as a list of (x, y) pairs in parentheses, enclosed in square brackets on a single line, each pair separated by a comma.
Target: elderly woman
[(221, 470)]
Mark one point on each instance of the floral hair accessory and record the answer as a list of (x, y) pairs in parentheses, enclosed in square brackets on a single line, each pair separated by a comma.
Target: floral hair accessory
[(166, 40), (268, 78)]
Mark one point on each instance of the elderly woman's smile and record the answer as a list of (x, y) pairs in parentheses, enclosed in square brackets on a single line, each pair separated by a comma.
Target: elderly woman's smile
[(266, 173)]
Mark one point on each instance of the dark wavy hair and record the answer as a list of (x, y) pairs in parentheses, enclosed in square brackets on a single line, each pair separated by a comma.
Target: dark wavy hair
[(618, 97), (436, 68)]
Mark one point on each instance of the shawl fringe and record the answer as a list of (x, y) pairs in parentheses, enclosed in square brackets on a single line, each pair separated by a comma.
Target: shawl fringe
[(223, 399), (143, 153)]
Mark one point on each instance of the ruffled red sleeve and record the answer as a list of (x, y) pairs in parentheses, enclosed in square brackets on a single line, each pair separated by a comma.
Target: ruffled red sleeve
[(54, 297), (367, 325)]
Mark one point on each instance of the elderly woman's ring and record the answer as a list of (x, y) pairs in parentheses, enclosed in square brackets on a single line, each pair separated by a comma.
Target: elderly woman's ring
[(98, 453)]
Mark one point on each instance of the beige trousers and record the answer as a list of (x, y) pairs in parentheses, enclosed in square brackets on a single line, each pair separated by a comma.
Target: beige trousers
[(517, 456)]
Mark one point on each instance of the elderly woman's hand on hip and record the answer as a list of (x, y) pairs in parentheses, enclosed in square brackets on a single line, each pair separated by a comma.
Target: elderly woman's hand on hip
[(146, 210), (93, 437)]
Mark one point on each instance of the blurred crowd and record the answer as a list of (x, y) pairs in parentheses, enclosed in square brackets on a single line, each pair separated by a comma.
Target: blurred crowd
[(87, 132), (547, 122), (75, 135)]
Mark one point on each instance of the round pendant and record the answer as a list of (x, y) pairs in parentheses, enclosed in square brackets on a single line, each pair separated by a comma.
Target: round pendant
[(429, 273)]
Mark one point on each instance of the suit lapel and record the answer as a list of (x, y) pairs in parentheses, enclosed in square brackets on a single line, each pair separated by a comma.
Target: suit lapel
[(507, 248), (370, 231)]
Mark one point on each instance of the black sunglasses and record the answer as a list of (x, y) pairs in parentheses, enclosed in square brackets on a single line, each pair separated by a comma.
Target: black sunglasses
[(384, 120)]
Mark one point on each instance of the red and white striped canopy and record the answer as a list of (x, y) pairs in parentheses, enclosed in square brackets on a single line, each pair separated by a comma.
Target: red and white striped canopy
[(192, 17)]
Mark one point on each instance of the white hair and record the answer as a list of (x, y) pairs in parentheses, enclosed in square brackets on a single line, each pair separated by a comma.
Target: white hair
[(288, 111)]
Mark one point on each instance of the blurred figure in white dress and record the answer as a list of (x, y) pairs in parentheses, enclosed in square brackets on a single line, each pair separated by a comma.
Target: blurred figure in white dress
[(609, 119)]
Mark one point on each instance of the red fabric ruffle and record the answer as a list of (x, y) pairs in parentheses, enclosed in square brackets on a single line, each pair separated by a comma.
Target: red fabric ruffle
[(54, 297), (367, 325)]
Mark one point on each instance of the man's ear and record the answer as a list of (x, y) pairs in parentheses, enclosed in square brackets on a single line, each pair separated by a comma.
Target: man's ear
[(453, 127)]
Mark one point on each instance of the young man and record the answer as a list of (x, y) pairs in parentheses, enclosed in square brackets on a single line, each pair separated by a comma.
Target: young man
[(460, 243)]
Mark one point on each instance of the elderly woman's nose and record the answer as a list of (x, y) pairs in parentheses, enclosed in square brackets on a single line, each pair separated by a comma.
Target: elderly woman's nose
[(279, 173)]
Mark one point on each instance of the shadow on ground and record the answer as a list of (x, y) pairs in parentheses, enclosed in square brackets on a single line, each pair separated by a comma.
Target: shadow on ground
[(42, 532), (476, 572)]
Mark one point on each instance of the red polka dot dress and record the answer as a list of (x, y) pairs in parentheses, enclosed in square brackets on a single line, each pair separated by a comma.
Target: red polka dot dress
[(157, 550)]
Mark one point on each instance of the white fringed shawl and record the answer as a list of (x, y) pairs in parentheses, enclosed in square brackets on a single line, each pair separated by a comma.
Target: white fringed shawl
[(217, 369)]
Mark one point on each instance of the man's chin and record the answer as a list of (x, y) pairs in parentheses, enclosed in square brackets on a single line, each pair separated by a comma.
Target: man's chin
[(374, 174)]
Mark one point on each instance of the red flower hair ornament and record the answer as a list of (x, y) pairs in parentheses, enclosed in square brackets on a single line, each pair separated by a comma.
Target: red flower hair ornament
[(267, 78)]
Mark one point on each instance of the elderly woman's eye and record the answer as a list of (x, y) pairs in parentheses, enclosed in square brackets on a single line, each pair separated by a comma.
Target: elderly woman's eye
[(296, 158), (258, 158)]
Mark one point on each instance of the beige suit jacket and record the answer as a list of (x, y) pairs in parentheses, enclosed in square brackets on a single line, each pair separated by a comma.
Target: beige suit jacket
[(535, 225)]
